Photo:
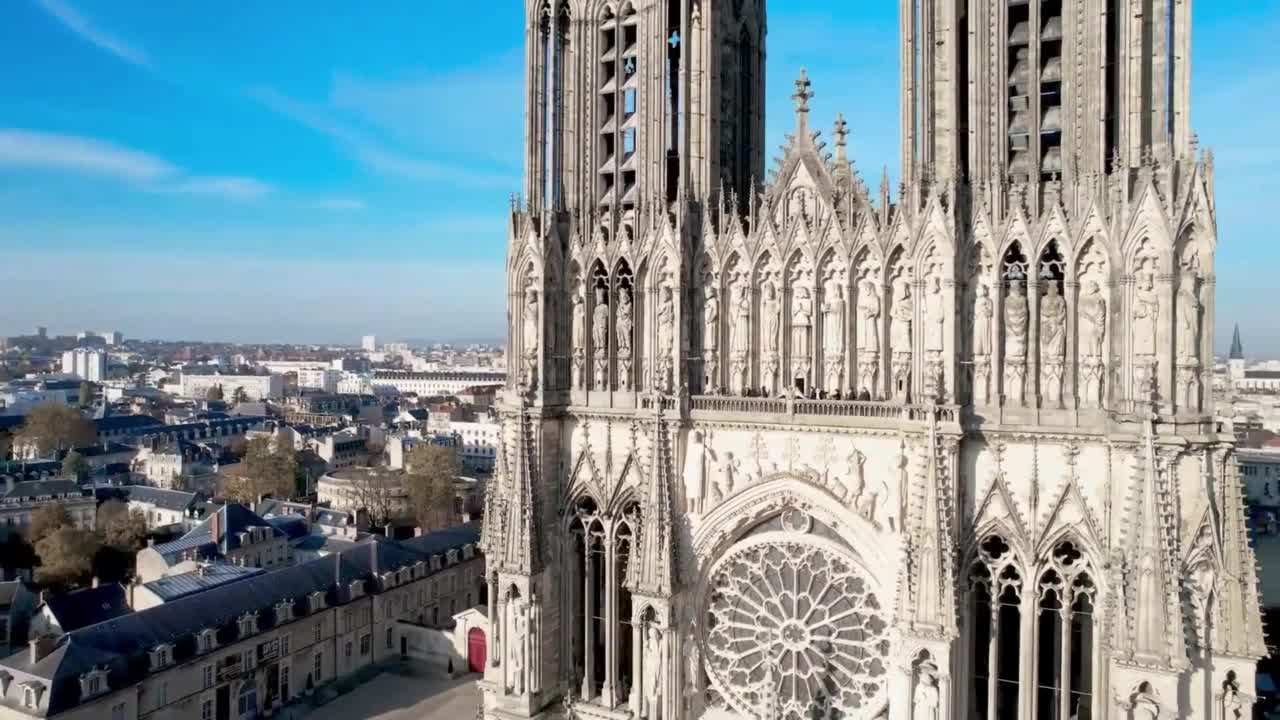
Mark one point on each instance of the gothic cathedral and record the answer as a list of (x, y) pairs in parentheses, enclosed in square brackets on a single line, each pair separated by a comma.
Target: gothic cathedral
[(779, 446)]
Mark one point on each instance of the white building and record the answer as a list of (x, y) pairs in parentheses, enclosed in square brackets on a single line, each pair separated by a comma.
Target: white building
[(113, 337), (434, 383), (256, 387), (325, 379), (369, 343), (477, 445), (85, 363), (1260, 469)]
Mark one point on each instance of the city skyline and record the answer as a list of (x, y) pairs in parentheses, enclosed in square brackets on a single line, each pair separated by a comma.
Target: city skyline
[(315, 176)]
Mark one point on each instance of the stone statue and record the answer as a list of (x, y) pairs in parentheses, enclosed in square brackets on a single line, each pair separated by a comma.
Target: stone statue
[(833, 319), (1144, 704), (710, 319), (725, 475), (625, 323), (936, 314), (600, 323), (1189, 321), (516, 648), (579, 322), (869, 312), (695, 473), (1146, 315), (801, 322), (900, 318), (1015, 322), (770, 310), (740, 329), (666, 322), (1093, 321), (857, 474), (1053, 323), (983, 311), (654, 668), (927, 696), (531, 324)]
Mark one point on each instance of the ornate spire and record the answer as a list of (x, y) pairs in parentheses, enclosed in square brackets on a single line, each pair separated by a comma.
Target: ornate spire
[(655, 548), (802, 96), (520, 527), (1237, 347)]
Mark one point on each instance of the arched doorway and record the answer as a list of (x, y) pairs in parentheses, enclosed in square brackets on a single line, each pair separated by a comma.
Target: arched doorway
[(476, 650)]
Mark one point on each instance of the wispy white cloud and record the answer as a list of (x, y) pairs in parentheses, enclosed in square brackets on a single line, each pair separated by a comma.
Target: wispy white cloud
[(39, 150), (78, 23), (381, 156), (34, 150)]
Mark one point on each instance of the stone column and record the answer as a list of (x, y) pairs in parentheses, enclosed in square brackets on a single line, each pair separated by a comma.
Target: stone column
[(607, 692), (494, 631), (637, 649), (588, 609), (1064, 675), (1031, 380), (1071, 351)]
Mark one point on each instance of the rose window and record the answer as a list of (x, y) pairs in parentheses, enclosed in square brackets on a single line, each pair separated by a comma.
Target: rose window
[(794, 632)]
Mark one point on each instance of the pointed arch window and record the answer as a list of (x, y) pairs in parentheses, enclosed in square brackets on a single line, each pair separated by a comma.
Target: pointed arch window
[(995, 589), (1064, 638)]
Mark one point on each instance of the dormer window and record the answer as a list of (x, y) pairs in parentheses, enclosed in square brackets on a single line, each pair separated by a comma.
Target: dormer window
[(453, 557), (248, 624), (31, 693), (315, 602), (161, 656), (419, 569), (92, 683), (356, 588), (206, 640), (435, 562), (468, 552), (388, 579), (284, 611)]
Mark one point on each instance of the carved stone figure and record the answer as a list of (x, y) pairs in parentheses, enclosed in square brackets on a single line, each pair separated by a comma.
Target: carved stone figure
[(710, 319), (725, 474), (1053, 324), (1093, 321), (833, 319), (770, 311), (1188, 320), (625, 323), (1146, 316), (927, 696), (600, 323), (801, 324), (1015, 322), (869, 316), (740, 328), (516, 648), (983, 311), (579, 322), (531, 324), (857, 475), (936, 316), (695, 473), (666, 323), (654, 668), (900, 318)]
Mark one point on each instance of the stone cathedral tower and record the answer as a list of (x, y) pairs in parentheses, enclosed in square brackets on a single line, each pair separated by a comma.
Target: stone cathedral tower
[(777, 446)]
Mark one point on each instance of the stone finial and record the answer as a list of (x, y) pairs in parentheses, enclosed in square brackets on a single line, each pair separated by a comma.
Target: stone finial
[(841, 133), (803, 94)]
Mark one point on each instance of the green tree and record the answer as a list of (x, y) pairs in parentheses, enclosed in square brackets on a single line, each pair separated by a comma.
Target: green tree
[(48, 519), (122, 527), (75, 467), (267, 471), (51, 427), (430, 474), (66, 556)]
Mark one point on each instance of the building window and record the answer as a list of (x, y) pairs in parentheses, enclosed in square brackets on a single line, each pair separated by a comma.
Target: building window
[(389, 638), (317, 667), (346, 650), (208, 676), (366, 643), (162, 695), (317, 632), (117, 711)]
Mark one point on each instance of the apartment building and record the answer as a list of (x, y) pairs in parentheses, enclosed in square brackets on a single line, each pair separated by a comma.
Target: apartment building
[(250, 647)]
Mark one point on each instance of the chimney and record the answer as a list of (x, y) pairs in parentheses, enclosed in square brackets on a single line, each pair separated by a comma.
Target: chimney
[(373, 558), (417, 531), (41, 647), (215, 524), (94, 582)]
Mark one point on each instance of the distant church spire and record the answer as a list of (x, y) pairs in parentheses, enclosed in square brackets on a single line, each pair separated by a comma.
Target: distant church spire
[(1237, 348)]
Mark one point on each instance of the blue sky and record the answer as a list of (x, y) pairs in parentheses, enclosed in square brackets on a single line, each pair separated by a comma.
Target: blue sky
[(308, 170)]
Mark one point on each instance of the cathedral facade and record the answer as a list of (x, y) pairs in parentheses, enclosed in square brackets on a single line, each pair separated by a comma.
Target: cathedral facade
[(781, 446)]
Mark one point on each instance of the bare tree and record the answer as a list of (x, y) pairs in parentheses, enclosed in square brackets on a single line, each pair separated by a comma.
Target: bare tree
[(266, 472), (52, 427), (378, 492), (432, 471)]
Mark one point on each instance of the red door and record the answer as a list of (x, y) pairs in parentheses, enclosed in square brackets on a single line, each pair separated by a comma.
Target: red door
[(475, 650)]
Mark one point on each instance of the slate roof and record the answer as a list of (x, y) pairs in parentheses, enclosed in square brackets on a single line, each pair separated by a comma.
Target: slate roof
[(235, 519), (91, 606), (121, 644), (165, 499), (114, 423), (1262, 374), (441, 541), (293, 527), (43, 488), (11, 421), (172, 587)]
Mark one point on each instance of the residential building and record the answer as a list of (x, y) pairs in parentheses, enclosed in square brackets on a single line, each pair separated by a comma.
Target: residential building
[(164, 508), (207, 576), (431, 384), (322, 379), (86, 364), (380, 490), (113, 338), (61, 614), (343, 449), (1260, 470), (369, 343), (477, 445), (233, 533), (247, 648), (255, 387), (21, 499)]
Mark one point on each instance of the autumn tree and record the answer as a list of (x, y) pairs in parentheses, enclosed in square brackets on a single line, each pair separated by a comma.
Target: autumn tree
[(240, 396), (52, 427), (430, 473), (266, 471), (75, 467), (48, 519), (213, 393), (66, 556), (122, 527)]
